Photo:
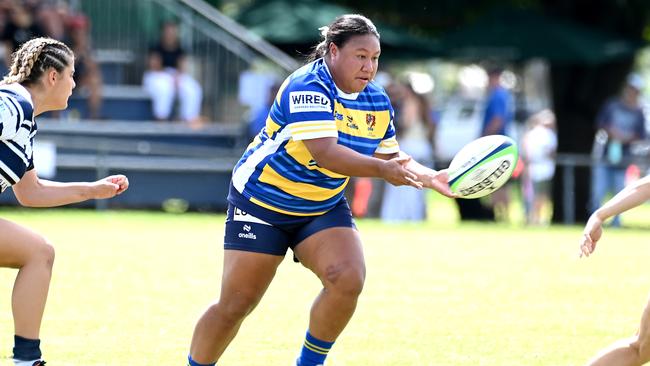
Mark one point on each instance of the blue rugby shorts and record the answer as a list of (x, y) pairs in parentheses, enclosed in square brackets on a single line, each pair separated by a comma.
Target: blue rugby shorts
[(277, 232)]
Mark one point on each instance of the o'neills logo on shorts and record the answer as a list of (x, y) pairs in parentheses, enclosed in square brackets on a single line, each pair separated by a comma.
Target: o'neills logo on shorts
[(488, 181), (248, 234)]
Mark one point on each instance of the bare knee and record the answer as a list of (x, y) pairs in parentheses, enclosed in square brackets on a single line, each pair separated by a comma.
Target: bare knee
[(44, 253), (345, 279), (38, 252), (233, 308)]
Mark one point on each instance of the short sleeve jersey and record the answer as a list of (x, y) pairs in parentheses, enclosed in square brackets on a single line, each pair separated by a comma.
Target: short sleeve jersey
[(17, 131), (278, 173)]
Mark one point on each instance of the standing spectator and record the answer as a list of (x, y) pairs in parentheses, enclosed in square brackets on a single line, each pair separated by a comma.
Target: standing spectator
[(414, 127), (622, 122), (539, 146), (166, 79), (259, 116), (499, 111)]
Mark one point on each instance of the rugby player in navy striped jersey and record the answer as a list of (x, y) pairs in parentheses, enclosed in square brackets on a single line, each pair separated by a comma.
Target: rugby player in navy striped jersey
[(39, 80), (329, 122)]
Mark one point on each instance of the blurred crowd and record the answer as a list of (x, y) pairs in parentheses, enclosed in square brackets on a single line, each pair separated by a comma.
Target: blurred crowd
[(22, 20)]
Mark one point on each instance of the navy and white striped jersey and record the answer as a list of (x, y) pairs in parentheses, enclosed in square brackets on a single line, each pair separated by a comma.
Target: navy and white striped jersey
[(17, 131), (278, 173)]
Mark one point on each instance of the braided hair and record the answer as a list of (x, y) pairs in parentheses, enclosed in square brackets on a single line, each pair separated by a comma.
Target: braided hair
[(34, 58), (340, 31)]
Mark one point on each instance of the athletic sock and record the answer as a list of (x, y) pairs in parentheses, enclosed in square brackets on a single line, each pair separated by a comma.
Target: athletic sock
[(26, 351), (314, 351), (191, 362)]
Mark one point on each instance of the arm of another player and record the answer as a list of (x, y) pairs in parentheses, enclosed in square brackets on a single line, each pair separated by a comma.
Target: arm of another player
[(438, 180), (31, 191), (630, 197), (330, 155)]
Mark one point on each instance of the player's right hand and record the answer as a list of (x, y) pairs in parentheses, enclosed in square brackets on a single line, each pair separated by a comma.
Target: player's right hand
[(394, 172), (592, 233)]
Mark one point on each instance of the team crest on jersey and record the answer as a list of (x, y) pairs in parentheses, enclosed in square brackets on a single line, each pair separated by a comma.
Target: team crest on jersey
[(309, 101), (370, 121)]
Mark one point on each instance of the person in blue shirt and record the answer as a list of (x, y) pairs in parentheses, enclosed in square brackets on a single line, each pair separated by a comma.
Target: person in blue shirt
[(40, 79), (622, 121), (499, 106), (259, 116), (498, 115), (329, 121)]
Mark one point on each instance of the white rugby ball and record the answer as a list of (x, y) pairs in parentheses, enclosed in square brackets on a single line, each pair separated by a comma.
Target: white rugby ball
[(482, 166)]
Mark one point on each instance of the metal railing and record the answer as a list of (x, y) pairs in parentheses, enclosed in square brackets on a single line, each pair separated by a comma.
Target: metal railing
[(218, 48)]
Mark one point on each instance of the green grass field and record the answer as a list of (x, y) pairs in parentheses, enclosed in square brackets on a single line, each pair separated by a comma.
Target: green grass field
[(129, 286)]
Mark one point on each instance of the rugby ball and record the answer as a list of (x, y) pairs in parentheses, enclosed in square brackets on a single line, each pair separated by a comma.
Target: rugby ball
[(482, 166)]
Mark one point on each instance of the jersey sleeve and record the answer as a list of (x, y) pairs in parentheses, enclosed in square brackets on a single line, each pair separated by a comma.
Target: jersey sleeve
[(10, 117), (16, 138), (388, 144), (308, 110)]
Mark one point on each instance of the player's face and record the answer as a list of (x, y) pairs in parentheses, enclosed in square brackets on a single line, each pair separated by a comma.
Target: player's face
[(63, 87), (355, 64)]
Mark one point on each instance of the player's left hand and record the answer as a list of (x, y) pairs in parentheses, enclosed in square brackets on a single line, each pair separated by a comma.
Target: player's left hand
[(439, 182)]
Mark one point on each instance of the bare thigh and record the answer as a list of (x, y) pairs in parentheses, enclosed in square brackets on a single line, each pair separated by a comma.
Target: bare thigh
[(18, 244), (331, 252)]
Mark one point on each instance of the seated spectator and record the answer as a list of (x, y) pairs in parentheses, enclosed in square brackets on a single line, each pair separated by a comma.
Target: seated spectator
[(166, 79), (87, 75), (20, 28)]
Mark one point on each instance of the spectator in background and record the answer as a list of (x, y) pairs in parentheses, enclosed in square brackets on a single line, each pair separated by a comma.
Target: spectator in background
[(538, 149), (52, 18), (259, 116), (415, 128), (620, 122), (87, 74), (166, 78), (498, 115), (20, 28)]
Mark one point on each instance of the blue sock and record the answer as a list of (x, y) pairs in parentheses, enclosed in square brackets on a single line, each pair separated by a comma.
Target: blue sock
[(26, 349), (314, 351), (191, 362)]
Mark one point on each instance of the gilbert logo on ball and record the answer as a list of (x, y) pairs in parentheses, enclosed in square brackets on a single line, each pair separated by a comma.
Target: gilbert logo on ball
[(482, 166)]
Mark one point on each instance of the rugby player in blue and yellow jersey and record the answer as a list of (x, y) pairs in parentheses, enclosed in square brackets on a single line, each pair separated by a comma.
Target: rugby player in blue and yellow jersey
[(329, 122), (39, 80)]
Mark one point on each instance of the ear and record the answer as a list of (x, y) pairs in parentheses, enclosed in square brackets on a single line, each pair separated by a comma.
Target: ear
[(52, 76), (333, 50)]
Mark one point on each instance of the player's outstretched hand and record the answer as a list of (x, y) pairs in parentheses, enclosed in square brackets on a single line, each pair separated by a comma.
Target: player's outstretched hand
[(394, 172), (110, 186), (440, 183), (590, 236)]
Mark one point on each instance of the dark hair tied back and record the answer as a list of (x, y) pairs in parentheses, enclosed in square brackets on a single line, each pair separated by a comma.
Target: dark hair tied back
[(340, 31)]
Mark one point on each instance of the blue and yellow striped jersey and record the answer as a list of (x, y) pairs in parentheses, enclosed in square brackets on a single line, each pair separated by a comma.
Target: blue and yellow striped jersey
[(17, 131), (278, 173)]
